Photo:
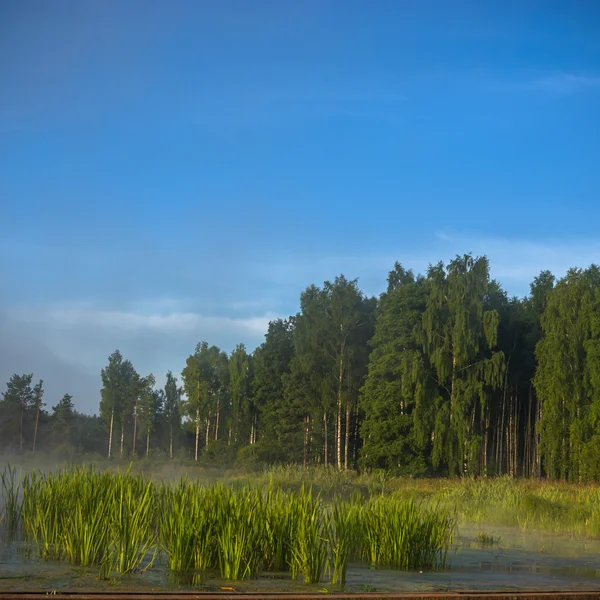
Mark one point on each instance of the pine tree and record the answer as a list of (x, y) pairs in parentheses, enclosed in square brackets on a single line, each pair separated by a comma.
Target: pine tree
[(17, 402), (238, 377), (272, 363), (63, 422), (397, 395)]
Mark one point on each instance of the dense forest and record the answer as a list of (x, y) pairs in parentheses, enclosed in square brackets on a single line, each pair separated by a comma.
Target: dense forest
[(444, 374)]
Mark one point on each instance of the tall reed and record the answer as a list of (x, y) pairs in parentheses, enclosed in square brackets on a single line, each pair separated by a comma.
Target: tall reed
[(344, 535), (120, 522), (11, 503), (310, 552), (399, 534)]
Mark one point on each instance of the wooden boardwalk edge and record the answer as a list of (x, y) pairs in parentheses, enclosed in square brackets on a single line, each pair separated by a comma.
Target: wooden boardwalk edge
[(131, 595)]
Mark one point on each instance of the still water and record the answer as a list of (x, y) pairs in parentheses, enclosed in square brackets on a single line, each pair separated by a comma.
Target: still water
[(514, 561)]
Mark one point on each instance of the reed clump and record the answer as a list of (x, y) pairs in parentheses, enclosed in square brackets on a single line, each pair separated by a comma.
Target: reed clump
[(121, 522), (10, 501)]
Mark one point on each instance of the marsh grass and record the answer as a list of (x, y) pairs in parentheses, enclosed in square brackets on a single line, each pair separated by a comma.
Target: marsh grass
[(556, 507), (400, 534), (344, 535), (120, 523), (485, 539), (10, 501), (282, 518), (310, 544)]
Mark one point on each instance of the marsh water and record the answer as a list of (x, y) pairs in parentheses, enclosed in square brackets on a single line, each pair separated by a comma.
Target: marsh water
[(503, 559)]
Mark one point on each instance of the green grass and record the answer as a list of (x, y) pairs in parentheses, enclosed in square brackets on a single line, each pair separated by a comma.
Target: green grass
[(120, 522), (10, 503), (485, 539), (309, 523)]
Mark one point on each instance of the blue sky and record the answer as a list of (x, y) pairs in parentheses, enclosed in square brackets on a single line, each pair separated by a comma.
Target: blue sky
[(172, 172)]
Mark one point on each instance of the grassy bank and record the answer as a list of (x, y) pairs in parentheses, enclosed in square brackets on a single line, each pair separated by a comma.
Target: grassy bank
[(528, 504)]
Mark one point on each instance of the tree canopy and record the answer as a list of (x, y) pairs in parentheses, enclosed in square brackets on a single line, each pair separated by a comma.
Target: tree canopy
[(442, 374)]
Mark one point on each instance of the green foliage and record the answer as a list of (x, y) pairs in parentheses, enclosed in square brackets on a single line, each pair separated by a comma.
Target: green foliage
[(63, 421), (119, 522), (205, 382), (272, 362), (444, 375), (568, 376), (395, 396), (16, 410), (10, 503)]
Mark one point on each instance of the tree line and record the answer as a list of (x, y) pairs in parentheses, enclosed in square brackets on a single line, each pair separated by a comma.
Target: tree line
[(443, 374)]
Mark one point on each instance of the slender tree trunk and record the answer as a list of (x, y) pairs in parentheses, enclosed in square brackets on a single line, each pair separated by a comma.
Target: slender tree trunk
[(217, 418), (338, 433), (252, 432), (509, 439), (467, 458), (305, 453), (171, 443), (356, 433), (122, 438), (526, 441), (504, 438), (35, 430), (135, 411), (452, 387), (485, 443), (502, 434), (347, 435), (22, 417), (197, 433), (147, 443), (497, 434), (518, 418), (207, 429), (453, 459), (538, 439), (110, 430)]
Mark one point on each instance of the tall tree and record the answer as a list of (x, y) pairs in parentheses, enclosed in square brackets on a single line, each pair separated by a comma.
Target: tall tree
[(38, 393), (238, 377), (17, 401), (172, 416), (333, 327), (120, 386), (272, 361), (567, 379), (63, 421), (148, 408), (460, 338), (398, 391), (205, 381)]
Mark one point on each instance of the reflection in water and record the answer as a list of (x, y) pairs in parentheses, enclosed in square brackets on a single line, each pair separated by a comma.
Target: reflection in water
[(511, 561)]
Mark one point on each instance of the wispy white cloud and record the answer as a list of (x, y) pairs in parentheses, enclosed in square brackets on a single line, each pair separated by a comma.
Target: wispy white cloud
[(564, 83), (80, 337), (169, 323), (158, 334), (253, 304), (559, 83), (514, 262), (82, 315)]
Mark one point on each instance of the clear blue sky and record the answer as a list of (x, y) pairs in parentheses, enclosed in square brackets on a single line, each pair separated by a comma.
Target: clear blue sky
[(172, 172)]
